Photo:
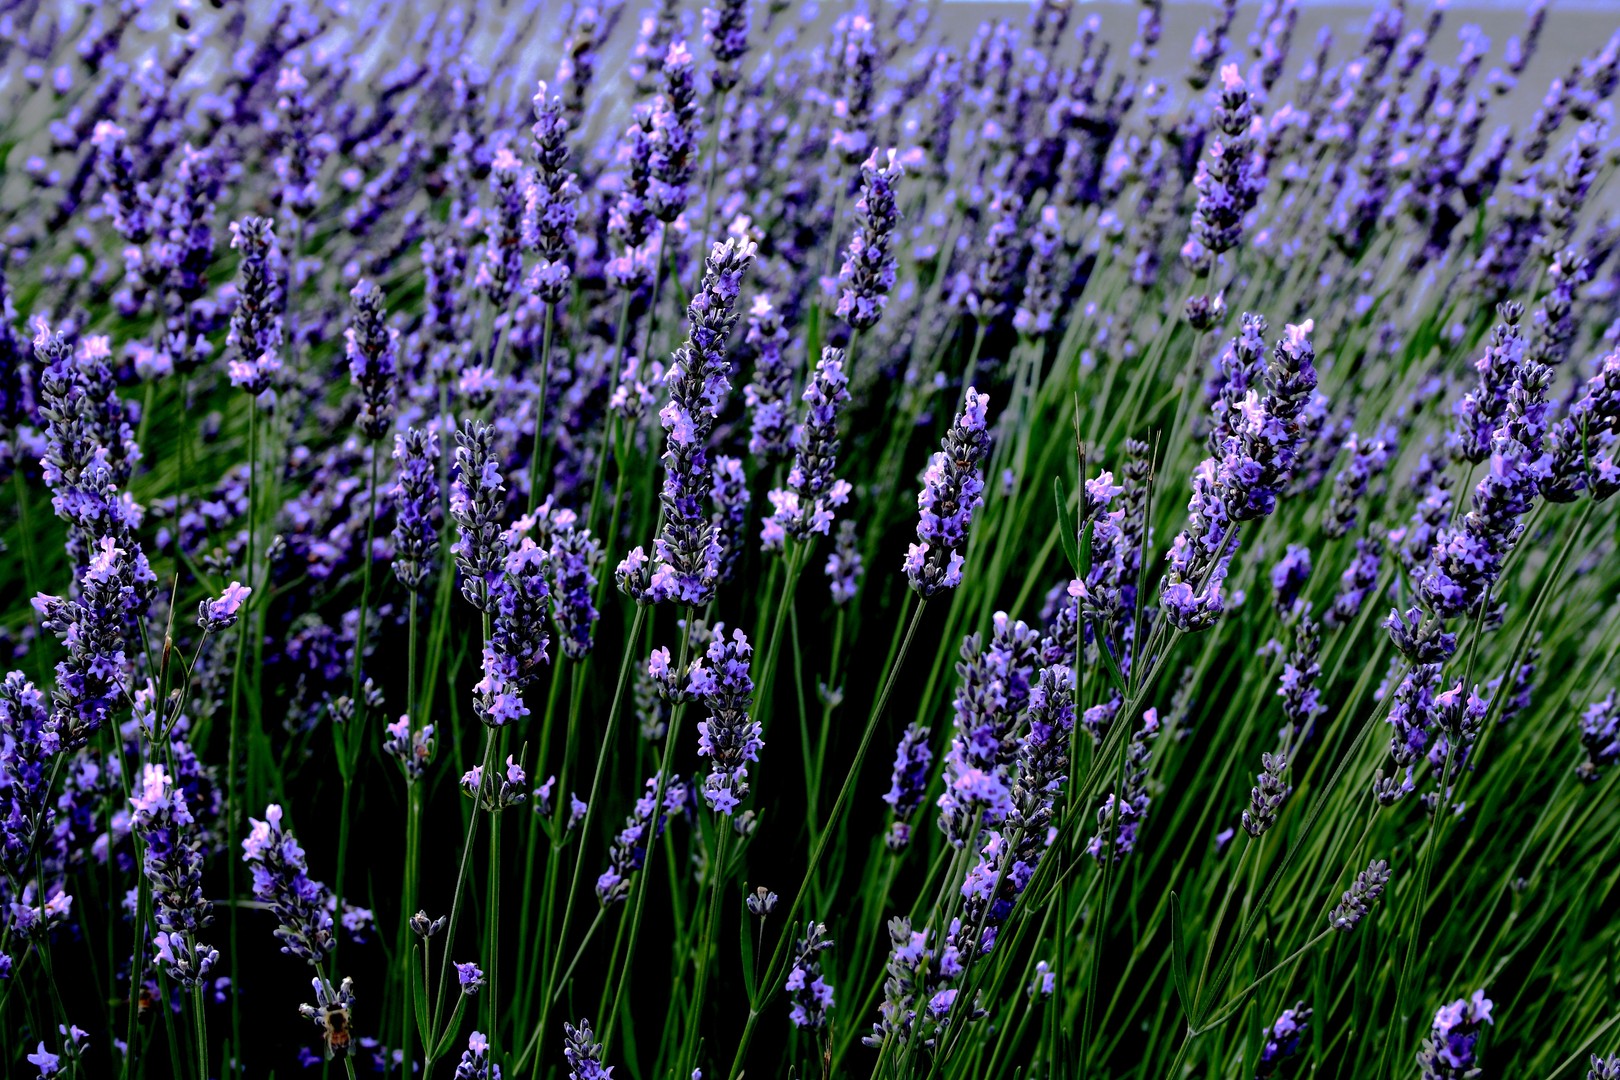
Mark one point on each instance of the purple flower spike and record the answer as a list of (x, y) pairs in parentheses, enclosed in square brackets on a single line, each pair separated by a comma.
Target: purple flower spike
[(805, 508), (372, 351), (844, 566), (254, 342), (477, 496), (583, 1053), (688, 555), (551, 204), (952, 489), (728, 738), (673, 138), (173, 864), (771, 431), (415, 496), (1283, 1040), (281, 880), (908, 782), (574, 556), (725, 34), (810, 995), (1450, 1051), (644, 824), (215, 616), (867, 274)]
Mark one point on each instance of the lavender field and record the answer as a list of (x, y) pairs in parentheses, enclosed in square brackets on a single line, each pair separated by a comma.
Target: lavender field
[(654, 541)]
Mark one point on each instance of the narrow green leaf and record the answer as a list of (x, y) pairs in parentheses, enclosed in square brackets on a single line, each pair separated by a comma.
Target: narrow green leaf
[(1066, 530), (419, 995), (747, 950), (452, 1030), (1178, 959)]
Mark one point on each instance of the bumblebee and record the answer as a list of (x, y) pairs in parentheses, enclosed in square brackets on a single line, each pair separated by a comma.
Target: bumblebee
[(335, 1025), (331, 1014)]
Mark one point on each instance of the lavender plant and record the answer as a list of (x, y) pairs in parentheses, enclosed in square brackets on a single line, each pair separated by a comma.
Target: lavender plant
[(1249, 692)]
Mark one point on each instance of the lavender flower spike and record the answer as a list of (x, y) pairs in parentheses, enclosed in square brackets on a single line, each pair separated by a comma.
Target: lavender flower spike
[(1283, 1040), (416, 506), (867, 274), (372, 348), (281, 880), (907, 783), (808, 991), (254, 341), (728, 738), (173, 864), (1449, 1053), (805, 508), (551, 204), (476, 497), (687, 555), (583, 1053), (215, 616), (952, 490)]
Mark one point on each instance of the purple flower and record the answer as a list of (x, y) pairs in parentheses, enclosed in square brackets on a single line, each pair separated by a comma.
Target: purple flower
[(725, 32), (1282, 1040), (474, 1064), (172, 862), (728, 738), (583, 1053), (253, 345), (415, 496), (28, 741), (1358, 899), (952, 489), (1227, 181), (372, 348), (302, 906), (412, 747), (1356, 582), (477, 496), (867, 274), (673, 141), (1581, 447), (551, 203), (1449, 1053), (304, 147), (730, 496), (845, 565), (508, 787), (573, 557), (809, 995), (1043, 285), (1368, 458), (804, 508), (1600, 737), (995, 275), (644, 824), (771, 417), (1121, 814), (687, 554), (1267, 795), (993, 693), (907, 783), (1478, 413), (502, 263), (1289, 576), (471, 978), (1251, 466), (215, 616), (1467, 558), (1302, 699)]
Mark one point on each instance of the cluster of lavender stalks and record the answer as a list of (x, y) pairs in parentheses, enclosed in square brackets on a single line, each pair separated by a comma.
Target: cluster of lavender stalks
[(590, 438)]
